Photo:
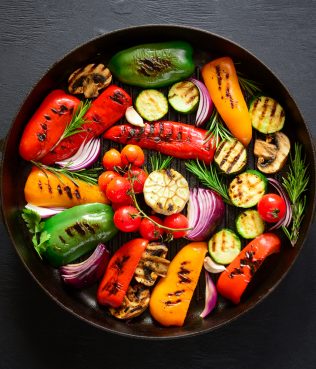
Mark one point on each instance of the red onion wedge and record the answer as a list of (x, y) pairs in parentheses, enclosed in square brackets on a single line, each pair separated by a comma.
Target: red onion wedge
[(210, 296), (288, 215), (86, 273), (86, 155), (44, 212), (205, 211), (206, 105)]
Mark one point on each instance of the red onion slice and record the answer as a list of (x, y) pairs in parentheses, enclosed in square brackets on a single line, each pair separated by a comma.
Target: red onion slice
[(44, 212), (210, 296), (206, 105)]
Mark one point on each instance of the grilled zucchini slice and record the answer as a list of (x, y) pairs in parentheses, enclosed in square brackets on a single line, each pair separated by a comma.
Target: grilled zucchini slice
[(184, 97), (247, 189), (231, 156), (224, 246), (151, 105), (266, 114), (249, 224)]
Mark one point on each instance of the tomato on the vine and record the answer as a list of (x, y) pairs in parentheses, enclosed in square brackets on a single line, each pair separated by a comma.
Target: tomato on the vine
[(137, 177), (272, 208), (112, 159), (127, 219), (132, 154), (149, 230), (176, 221), (105, 178), (118, 190)]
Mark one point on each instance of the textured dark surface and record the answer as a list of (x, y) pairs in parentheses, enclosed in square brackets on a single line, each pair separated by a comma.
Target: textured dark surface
[(35, 332)]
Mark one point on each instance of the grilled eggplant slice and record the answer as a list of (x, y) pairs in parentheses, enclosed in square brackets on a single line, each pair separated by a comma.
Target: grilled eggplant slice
[(231, 156)]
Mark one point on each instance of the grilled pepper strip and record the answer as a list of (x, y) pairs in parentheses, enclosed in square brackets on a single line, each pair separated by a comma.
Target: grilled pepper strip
[(119, 272), (234, 280), (153, 65), (76, 231), (47, 125), (221, 80), (43, 188), (179, 140), (170, 299), (107, 109)]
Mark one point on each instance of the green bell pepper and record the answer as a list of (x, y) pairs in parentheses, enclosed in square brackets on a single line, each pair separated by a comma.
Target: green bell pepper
[(153, 65), (76, 231)]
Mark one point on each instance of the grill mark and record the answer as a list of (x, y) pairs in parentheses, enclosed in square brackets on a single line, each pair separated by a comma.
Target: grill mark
[(264, 109), (40, 185), (60, 191), (218, 76), (50, 190), (275, 104), (77, 194), (62, 239), (41, 137), (223, 246), (227, 154), (171, 303), (68, 191), (89, 227), (47, 117), (235, 160), (79, 228)]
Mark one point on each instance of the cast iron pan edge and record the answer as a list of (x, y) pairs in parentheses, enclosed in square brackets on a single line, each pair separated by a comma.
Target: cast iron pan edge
[(162, 31)]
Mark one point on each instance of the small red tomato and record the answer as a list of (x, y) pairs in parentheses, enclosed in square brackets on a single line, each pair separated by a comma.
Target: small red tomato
[(117, 205), (105, 178), (118, 190), (127, 219), (176, 221), (112, 159), (133, 154), (149, 230), (137, 177), (272, 208)]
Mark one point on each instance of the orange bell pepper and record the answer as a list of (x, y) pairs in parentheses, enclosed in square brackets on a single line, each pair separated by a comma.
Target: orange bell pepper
[(43, 188), (172, 295), (221, 80), (234, 280)]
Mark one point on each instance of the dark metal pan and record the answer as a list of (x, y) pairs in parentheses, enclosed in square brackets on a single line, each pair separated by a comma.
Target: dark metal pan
[(14, 171)]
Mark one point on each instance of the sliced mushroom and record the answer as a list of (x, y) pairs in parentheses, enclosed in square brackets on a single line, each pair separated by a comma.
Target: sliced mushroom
[(89, 80), (152, 264), (272, 153), (135, 302)]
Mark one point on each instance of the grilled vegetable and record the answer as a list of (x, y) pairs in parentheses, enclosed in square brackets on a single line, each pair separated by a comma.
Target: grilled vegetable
[(266, 114), (166, 191), (151, 105), (76, 231), (133, 117), (247, 189), (272, 153), (249, 224), (224, 246), (184, 97), (89, 80), (43, 188), (180, 140), (47, 124), (171, 297), (231, 156), (221, 80), (234, 280), (153, 65)]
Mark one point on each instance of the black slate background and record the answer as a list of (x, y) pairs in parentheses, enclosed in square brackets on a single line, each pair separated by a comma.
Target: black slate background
[(34, 331)]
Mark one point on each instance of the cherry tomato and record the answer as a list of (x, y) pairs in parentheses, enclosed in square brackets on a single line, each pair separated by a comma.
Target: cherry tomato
[(149, 230), (118, 190), (272, 208), (176, 221), (105, 178), (111, 159), (117, 205), (137, 177), (133, 154), (127, 219)]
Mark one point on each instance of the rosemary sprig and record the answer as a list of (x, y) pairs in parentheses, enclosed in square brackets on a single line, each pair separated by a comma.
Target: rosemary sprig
[(159, 162), (216, 129), (86, 175), (249, 86), (209, 177), (296, 184)]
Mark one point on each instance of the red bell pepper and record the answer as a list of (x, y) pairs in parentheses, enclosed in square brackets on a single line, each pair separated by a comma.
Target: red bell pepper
[(234, 280), (180, 140), (47, 125), (107, 109), (119, 272)]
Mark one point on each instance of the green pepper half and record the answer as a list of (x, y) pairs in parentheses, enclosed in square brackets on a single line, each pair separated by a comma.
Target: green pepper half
[(76, 231), (153, 65)]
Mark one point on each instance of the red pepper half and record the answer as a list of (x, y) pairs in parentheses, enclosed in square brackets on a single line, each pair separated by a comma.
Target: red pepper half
[(119, 273), (107, 109), (179, 140), (47, 125), (234, 280)]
